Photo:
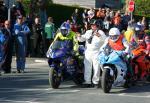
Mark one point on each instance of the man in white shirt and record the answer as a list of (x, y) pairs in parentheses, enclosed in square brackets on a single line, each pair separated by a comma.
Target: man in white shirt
[(94, 40)]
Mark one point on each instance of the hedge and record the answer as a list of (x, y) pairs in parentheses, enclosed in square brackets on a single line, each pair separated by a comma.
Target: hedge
[(60, 13)]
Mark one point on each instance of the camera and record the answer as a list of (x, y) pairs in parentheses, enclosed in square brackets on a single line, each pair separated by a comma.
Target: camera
[(90, 39)]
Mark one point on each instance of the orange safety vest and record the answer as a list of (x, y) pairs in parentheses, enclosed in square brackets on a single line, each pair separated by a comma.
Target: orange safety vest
[(118, 45)]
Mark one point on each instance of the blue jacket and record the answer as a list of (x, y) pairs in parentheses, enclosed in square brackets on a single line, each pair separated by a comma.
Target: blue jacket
[(21, 30), (2, 46)]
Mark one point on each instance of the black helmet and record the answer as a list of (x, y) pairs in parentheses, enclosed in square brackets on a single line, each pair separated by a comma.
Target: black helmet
[(93, 21), (98, 23)]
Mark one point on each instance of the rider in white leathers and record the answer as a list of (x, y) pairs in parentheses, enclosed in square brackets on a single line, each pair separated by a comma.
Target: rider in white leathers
[(94, 39)]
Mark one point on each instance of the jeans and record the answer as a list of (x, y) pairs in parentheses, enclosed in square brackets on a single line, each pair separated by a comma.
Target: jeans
[(20, 51)]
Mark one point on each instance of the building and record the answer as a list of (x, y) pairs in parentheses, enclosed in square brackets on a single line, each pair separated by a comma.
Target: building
[(115, 4)]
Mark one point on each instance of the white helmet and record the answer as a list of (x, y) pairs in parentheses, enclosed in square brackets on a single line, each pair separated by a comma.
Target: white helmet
[(114, 31), (114, 34)]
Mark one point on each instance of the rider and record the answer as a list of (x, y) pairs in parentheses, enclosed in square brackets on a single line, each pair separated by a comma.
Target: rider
[(140, 38), (64, 34), (140, 46), (117, 42)]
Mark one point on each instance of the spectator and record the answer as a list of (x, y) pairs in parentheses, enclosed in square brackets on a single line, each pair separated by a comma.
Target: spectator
[(49, 32), (101, 14), (2, 50), (3, 12), (107, 14), (116, 21), (42, 4), (75, 16), (125, 20), (29, 21), (85, 19), (144, 23), (91, 14), (111, 13), (107, 25), (129, 33), (8, 47), (21, 30), (14, 15), (37, 38)]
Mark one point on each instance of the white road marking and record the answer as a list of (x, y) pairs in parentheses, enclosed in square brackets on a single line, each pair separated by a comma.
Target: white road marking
[(121, 94), (22, 90), (40, 61), (33, 64), (18, 101), (65, 91), (148, 96), (36, 63)]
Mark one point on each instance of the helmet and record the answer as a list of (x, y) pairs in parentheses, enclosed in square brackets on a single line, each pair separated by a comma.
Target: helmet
[(114, 34), (94, 22), (138, 28), (65, 29), (139, 31), (98, 23)]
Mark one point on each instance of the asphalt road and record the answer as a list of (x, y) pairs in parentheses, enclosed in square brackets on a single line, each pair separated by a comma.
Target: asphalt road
[(33, 87)]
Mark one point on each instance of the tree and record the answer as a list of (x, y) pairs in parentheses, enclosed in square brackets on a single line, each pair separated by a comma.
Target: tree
[(142, 8)]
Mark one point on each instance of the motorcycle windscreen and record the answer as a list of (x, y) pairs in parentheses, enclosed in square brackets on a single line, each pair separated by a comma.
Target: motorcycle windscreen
[(102, 58), (58, 53), (112, 58), (58, 49)]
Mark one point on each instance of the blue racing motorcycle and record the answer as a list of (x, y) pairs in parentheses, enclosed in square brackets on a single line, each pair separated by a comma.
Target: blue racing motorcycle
[(63, 64), (113, 68)]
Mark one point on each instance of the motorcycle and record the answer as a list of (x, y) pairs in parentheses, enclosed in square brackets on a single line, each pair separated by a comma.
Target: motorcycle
[(63, 64), (113, 69), (140, 64)]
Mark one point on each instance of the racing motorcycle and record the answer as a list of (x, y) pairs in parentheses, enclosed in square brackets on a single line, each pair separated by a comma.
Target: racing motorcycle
[(113, 69), (63, 64), (140, 64)]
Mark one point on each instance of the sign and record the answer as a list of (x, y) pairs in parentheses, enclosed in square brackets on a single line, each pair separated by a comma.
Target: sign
[(131, 6)]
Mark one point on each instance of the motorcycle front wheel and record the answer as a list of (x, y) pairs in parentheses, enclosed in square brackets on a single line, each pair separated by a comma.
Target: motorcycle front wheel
[(54, 78), (106, 81)]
